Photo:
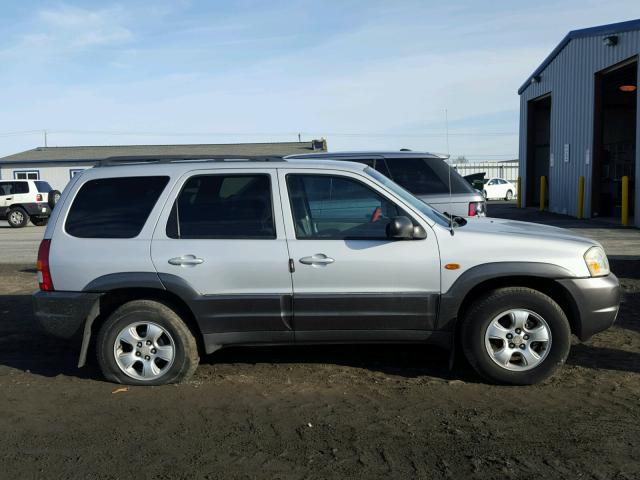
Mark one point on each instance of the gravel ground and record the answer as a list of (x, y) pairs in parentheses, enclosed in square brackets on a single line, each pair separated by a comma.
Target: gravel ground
[(320, 412)]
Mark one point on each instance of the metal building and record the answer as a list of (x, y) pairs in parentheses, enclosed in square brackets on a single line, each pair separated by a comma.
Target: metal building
[(579, 117)]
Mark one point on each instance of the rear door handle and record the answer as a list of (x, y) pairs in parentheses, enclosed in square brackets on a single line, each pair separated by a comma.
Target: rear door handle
[(186, 261), (317, 259)]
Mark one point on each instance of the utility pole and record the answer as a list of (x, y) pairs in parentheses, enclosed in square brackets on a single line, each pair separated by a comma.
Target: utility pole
[(45, 137), (299, 138)]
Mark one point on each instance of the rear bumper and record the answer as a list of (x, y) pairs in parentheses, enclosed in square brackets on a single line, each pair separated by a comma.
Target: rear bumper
[(33, 209), (597, 301), (63, 314)]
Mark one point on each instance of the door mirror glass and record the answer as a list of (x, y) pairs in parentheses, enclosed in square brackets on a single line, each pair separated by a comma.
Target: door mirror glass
[(419, 233), (400, 228)]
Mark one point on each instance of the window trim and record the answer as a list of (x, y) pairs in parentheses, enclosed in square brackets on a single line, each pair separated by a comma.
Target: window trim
[(357, 180), (27, 172), (248, 173)]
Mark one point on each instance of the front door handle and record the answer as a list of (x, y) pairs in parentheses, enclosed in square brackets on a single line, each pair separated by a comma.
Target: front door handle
[(317, 259), (186, 261)]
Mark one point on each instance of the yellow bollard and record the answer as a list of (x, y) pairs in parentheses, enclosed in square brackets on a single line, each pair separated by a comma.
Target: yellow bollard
[(543, 191), (625, 200), (580, 196), (518, 201)]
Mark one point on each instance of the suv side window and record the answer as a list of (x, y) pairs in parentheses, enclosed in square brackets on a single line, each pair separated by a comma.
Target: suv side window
[(423, 176), (223, 206), (113, 207), (20, 187), (332, 207), (377, 164)]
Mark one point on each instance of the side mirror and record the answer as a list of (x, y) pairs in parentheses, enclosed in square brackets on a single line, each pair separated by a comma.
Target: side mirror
[(400, 228), (419, 233)]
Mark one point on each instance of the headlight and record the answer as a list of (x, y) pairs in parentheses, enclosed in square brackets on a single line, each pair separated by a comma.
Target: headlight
[(597, 262)]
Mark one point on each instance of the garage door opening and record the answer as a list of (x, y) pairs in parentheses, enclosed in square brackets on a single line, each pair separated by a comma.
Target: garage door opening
[(538, 141), (614, 152)]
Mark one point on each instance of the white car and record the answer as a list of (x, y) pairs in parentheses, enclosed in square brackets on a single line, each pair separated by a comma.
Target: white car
[(24, 200), (499, 188)]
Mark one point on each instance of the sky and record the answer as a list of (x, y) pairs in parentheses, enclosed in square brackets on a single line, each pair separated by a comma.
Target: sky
[(364, 74)]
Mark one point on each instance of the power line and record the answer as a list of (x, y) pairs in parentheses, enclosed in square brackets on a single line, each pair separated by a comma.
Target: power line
[(256, 134)]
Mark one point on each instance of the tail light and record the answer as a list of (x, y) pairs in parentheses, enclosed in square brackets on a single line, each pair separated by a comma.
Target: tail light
[(44, 274), (477, 209), (39, 197)]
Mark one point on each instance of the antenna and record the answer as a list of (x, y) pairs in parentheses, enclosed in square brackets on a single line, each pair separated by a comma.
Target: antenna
[(446, 124)]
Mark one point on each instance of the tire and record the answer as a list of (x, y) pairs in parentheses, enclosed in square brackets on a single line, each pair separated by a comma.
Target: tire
[(515, 370), (53, 198), (39, 222), (128, 322), (17, 217), (509, 195)]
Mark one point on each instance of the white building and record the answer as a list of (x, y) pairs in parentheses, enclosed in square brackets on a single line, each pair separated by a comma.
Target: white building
[(57, 165)]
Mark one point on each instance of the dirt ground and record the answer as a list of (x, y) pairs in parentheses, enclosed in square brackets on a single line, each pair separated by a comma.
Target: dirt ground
[(337, 411)]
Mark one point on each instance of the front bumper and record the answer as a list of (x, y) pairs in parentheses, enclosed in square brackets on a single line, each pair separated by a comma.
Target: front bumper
[(63, 314), (597, 301)]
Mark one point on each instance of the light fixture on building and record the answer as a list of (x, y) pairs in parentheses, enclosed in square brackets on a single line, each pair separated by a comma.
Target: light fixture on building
[(535, 79), (628, 88), (610, 41)]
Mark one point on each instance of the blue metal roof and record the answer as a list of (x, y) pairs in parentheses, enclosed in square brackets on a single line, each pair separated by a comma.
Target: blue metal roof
[(603, 30)]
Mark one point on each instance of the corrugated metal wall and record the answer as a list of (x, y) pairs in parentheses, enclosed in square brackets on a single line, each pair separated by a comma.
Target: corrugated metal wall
[(570, 79)]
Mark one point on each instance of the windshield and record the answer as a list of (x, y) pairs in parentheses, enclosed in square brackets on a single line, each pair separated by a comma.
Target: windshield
[(416, 203)]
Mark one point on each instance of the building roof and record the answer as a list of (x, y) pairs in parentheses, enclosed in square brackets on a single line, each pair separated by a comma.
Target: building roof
[(602, 30), (95, 153)]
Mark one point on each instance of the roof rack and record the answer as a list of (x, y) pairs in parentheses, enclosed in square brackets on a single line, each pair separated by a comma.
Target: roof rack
[(164, 159)]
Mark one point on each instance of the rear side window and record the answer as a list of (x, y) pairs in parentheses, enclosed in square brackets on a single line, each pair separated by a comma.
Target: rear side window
[(113, 207), (20, 187), (43, 187), (223, 206), (424, 176)]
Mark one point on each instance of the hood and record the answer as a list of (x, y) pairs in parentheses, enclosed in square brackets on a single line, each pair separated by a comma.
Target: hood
[(500, 226)]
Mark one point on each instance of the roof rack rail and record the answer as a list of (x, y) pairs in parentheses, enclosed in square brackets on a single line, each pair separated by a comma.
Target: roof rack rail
[(164, 159)]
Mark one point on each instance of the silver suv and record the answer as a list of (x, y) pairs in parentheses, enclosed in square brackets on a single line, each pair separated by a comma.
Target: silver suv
[(426, 175), (180, 258)]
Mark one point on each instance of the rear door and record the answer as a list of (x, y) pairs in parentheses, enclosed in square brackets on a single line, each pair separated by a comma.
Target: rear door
[(221, 239), (350, 281)]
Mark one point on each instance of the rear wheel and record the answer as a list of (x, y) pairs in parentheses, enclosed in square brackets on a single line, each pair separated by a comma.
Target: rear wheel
[(145, 342), (516, 336), (509, 195), (17, 217)]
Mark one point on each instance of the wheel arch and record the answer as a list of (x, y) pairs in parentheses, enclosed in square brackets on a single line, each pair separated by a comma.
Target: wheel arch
[(483, 278), (118, 289)]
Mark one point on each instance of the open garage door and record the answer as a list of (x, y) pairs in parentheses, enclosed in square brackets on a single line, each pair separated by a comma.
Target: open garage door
[(538, 146), (614, 152)]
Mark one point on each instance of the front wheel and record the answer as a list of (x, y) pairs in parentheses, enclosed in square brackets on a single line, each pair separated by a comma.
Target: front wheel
[(39, 222), (145, 342), (509, 195), (516, 336)]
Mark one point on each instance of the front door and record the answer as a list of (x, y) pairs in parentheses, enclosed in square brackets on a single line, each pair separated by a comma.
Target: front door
[(219, 239), (350, 280)]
